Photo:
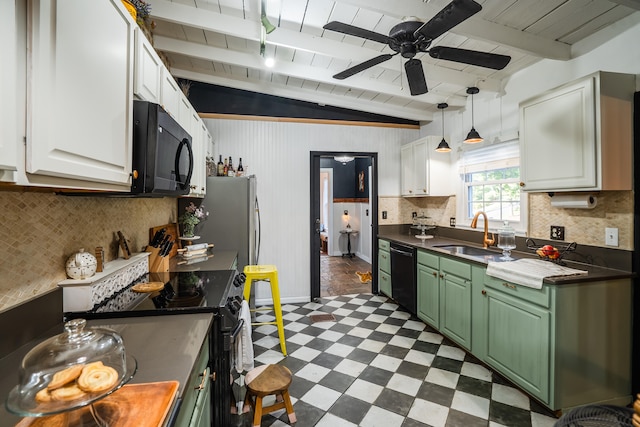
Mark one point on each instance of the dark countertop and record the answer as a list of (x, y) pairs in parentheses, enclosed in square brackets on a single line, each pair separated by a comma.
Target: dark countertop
[(595, 273), (165, 347)]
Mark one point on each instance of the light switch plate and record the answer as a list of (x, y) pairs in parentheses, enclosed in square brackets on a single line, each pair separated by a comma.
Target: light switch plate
[(611, 236)]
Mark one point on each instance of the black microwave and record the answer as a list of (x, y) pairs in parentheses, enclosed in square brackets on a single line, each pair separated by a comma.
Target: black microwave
[(162, 153)]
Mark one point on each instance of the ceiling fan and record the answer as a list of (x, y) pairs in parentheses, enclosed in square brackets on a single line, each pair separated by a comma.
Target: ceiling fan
[(412, 36)]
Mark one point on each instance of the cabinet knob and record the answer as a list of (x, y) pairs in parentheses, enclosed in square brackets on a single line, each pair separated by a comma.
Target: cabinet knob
[(435, 274), (508, 285), (424, 190), (484, 292), (410, 191), (521, 184), (441, 276)]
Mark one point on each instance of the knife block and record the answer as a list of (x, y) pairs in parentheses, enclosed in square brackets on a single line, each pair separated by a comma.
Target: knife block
[(157, 263)]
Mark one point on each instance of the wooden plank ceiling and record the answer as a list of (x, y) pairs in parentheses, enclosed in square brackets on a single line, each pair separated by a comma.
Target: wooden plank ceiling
[(218, 42)]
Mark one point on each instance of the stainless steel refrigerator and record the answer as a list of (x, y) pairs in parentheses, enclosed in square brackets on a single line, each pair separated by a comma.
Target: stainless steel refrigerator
[(234, 217)]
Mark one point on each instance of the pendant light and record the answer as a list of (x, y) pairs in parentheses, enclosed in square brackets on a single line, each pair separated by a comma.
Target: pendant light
[(473, 137), (443, 147)]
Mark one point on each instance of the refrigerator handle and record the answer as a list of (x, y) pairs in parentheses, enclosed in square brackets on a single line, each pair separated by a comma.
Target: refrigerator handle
[(257, 248)]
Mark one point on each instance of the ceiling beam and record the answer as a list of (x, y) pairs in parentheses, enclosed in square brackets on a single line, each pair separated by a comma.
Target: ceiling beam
[(237, 27), (633, 4), (474, 27), (302, 94), (304, 72)]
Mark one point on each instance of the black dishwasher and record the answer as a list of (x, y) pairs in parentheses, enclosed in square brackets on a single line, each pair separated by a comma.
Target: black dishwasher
[(403, 276)]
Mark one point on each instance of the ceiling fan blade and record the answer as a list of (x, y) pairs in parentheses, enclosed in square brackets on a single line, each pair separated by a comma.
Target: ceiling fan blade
[(362, 66), (452, 14), (356, 31), (415, 77), (471, 57)]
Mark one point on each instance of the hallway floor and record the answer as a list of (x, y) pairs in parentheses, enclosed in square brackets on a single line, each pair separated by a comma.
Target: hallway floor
[(377, 365), (338, 275)]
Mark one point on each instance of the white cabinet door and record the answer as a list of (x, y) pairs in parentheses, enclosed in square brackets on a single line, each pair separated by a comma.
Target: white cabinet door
[(80, 98), (441, 177), (8, 93), (170, 94), (414, 168), (420, 177), (423, 171), (148, 70), (199, 162), (558, 143), (579, 137), (407, 169)]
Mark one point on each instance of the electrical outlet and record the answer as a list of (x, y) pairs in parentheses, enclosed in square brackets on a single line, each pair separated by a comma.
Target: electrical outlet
[(452, 222), (414, 215), (384, 214), (611, 236), (557, 232)]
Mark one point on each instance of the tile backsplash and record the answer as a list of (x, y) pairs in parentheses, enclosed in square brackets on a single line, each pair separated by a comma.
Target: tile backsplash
[(584, 226), (41, 230)]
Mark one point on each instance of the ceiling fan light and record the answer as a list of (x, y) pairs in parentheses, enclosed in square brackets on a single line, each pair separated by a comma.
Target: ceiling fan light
[(443, 147), (473, 137)]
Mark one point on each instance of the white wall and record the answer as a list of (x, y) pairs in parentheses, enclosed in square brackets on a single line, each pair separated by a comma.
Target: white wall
[(278, 154)]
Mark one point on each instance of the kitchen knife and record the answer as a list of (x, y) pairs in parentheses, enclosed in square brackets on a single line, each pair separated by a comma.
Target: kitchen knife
[(157, 237), (165, 251), (164, 241)]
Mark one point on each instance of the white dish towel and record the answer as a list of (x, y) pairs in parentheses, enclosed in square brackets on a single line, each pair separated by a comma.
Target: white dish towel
[(529, 272), (243, 343)]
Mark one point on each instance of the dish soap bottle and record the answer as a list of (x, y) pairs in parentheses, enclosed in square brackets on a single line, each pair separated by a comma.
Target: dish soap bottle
[(506, 241)]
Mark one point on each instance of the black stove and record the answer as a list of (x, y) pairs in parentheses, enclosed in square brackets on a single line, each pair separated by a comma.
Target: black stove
[(184, 292), (216, 291)]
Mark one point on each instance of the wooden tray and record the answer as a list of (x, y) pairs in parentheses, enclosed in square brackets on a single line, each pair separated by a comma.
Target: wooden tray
[(134, 405), (172, 230)]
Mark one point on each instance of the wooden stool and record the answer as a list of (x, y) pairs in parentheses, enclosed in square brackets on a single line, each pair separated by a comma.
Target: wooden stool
[(267, 273), (267, 380)]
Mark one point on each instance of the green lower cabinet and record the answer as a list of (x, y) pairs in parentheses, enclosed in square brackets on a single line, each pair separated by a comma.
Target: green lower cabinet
[(384, 283), (428, 295), (455, 308), (384, 268), (518, 339)]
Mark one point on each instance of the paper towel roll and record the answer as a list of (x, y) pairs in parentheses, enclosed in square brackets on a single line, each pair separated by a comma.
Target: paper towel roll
[(574, 201)]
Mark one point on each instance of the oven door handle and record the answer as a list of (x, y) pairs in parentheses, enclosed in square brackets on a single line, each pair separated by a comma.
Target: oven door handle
[(236, 331)]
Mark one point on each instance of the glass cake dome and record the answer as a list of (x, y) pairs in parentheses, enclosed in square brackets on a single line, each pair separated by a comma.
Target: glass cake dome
[(70, 370)]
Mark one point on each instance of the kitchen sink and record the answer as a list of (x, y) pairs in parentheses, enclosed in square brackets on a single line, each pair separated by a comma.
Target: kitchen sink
[(467, 250)]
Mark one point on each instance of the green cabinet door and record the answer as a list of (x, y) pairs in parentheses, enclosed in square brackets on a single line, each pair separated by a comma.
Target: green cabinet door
[(384, 283), (518, 340), (455, 309), (429, 295), (384, 268)]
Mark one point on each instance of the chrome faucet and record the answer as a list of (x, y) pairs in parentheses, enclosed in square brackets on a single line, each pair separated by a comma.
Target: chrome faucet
[(486, 241)]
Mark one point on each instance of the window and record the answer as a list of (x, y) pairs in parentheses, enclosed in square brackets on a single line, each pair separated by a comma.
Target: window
[(491, 183)]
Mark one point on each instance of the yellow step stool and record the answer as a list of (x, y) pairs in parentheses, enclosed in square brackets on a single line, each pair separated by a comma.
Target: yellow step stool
[(267, 273)]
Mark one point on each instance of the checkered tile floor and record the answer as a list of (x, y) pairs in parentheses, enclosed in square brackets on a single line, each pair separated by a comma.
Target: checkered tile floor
[(377, 365)]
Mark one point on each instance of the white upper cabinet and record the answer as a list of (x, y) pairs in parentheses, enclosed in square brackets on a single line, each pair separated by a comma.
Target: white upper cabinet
[(199, 161), (578, 137), (79, 100), (147, 77), (425, 172), (170, 95), (8, 93)]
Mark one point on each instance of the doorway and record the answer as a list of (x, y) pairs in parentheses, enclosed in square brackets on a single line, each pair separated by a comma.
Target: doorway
[(352, 208)]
